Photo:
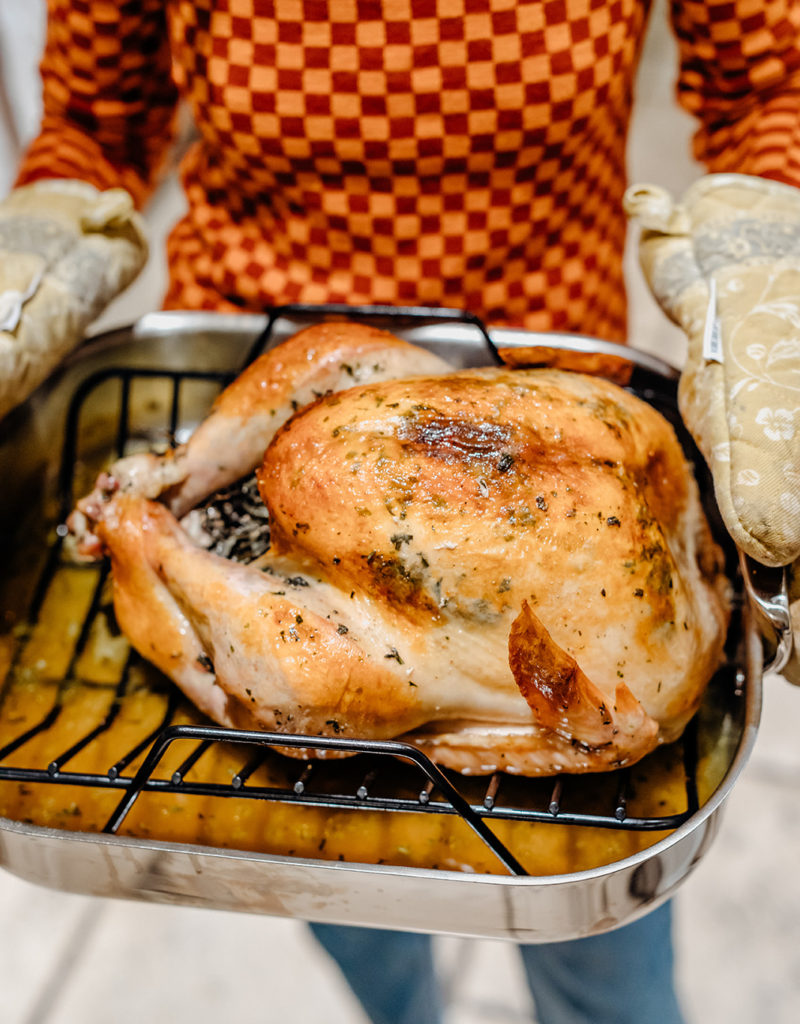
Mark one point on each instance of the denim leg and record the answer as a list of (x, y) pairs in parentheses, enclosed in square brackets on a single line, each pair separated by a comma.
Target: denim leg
[(391, 973), (621, 977)]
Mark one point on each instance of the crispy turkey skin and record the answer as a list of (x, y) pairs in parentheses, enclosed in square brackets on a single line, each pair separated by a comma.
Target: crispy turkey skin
[(510, 569)]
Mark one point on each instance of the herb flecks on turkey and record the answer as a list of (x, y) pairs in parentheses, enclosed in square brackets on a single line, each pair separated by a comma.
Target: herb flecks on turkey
[(508, 568)]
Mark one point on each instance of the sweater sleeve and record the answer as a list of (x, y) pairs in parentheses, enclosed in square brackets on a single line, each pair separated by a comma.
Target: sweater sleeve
[(109, 98), (740, 76)]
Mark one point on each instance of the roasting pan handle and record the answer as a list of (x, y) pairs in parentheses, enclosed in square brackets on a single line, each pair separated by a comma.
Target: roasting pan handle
[(376, 314), (768, 592)]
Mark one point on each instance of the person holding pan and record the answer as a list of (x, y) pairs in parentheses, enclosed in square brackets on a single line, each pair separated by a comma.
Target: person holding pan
[(470, 154)]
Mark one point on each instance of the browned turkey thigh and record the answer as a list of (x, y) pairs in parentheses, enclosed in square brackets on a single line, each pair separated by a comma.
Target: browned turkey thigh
[(510, 569)]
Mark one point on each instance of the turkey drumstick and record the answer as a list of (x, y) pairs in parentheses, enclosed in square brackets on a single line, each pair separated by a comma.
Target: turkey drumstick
[(230, 442)]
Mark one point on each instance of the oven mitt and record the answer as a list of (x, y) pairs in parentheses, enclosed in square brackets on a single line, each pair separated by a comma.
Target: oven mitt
[(66, 250), (724, 264)]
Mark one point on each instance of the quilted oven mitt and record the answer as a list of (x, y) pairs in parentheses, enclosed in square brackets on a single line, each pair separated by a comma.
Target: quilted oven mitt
[(724, 264), (66, 250)]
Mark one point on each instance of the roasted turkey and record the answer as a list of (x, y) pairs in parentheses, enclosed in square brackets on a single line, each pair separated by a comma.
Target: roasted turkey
[(509, 569)]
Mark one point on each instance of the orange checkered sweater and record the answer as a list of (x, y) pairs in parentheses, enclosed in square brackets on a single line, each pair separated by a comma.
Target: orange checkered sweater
[(466, 153)]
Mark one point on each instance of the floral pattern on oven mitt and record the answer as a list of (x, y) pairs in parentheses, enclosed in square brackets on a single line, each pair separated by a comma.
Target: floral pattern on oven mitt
[(724, 264), (66, 250)]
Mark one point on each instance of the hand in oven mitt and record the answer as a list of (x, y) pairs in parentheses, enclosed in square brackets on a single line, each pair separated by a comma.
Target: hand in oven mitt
[(66, 250), (724, 264)]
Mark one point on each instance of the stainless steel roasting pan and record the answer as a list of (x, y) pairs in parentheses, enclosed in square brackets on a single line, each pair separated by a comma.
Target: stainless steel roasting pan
[(494, 903)]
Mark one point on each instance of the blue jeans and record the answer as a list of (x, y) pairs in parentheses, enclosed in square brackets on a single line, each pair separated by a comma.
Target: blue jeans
[(620, 977)]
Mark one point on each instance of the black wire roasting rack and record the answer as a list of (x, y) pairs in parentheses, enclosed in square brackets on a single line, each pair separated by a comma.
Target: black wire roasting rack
[(386, 776)]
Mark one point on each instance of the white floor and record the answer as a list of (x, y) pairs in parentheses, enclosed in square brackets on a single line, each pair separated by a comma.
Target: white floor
[(75, 960)]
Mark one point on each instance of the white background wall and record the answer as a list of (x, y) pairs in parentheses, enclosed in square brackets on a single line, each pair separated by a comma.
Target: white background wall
[(22, 25)]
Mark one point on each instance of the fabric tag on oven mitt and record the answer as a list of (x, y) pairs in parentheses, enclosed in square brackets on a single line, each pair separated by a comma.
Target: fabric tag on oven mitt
[(66, 250), (791, 671), (724, 264)]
